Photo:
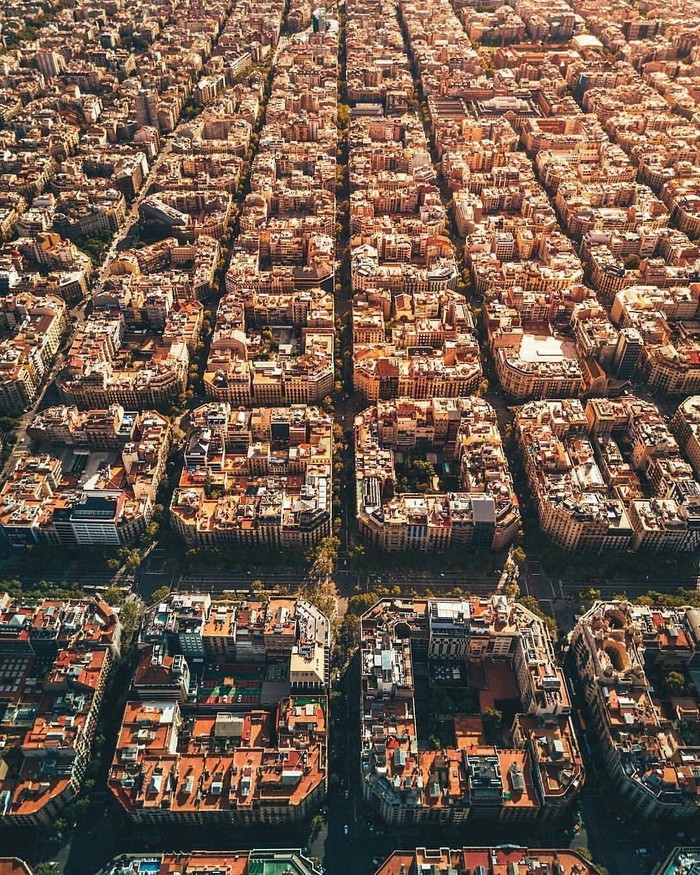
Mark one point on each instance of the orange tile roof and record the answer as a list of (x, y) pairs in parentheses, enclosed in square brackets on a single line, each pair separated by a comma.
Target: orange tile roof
[(13, 866), (495, 861)]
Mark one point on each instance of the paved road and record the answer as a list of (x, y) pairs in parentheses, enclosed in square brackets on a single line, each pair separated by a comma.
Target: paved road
[(238, 580), (551, 587), (548, 590), (346, 579)]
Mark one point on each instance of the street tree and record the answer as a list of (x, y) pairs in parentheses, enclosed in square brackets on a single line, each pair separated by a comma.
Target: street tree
[(159, 594)]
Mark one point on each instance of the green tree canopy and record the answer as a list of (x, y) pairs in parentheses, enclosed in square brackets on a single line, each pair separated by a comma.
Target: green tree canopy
[(159, 594)]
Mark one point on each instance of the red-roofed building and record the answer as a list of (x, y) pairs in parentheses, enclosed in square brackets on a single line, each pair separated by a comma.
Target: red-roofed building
[(501, 649), (54, 661), (213, 732), (503, 860)]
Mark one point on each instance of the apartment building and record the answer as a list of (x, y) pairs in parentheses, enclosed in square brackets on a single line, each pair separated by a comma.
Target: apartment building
[(43, 263), (93, 147), (260, 476), (622, 652), (134, 347), (32, 328), (665, 319), (232, 700), (488, 861), (56, 657), (462, 436), (532, 366), (413, 333), (589, 494), (378, 72), (685, 425), (93, 479), (78, 158), (272, 347), (494, 646), (274, 335), (257, 862)]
